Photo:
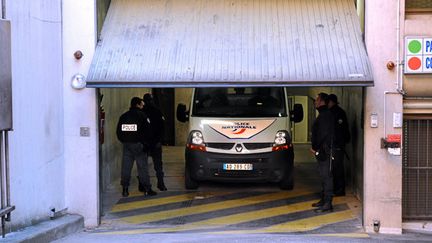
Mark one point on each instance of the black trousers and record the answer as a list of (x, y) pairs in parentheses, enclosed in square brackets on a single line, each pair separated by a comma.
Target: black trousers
[(134, 152), (325, 172), (155, 152), (339, 171)]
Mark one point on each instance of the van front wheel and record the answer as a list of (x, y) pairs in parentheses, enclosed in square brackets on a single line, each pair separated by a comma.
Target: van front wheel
[(190, 183)]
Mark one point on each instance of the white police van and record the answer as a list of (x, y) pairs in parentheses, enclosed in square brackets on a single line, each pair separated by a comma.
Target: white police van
[(239, 135)]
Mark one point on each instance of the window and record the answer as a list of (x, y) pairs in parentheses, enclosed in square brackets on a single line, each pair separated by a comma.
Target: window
[(239, 102)]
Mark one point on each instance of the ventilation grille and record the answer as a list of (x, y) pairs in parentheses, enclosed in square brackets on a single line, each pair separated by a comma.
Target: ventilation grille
[(417, 170)]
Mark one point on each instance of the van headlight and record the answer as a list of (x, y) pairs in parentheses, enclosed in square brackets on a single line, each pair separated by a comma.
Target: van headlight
[(281, 138), (282, 141), (197, 138), (196, 141)]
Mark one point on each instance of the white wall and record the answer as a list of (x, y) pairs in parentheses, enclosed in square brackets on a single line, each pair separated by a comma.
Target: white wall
[(80, 110), (382, 171), (182, 95), (36, 143)]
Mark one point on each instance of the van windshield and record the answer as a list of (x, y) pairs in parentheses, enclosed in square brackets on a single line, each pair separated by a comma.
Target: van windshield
[(239, 102)]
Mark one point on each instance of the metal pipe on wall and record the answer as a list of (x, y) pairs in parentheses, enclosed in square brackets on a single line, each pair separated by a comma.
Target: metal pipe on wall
[(6, 208), (3, 9), (385, 110), (2, 199), (398, 62), (6, 173)]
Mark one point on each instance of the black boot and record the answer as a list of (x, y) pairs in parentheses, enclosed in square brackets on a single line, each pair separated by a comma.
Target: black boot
[(327, 207), (161, 185), (150, 192), (318, 204), (140, 186), (125, 192)]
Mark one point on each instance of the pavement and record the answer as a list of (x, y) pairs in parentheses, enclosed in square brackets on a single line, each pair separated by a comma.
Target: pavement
[(47, 231), (69, 229)]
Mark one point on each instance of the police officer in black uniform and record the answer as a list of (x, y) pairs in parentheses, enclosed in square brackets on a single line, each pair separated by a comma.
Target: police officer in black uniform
[(342, 137), (157, 124), (322, 139), (133, 133)]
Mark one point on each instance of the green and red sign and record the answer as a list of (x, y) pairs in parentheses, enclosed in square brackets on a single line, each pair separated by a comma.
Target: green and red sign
[(418, 55)]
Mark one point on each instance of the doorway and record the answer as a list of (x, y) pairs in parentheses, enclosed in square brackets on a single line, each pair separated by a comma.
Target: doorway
[(116, 101)]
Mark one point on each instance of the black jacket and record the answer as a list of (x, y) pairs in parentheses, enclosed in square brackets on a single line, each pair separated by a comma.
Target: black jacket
[(157, 123), (323, 129), (342, 133), (133, 127)]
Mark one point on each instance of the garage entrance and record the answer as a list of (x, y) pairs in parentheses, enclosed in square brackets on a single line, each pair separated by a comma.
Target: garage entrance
[(307, 46), (214, 207)]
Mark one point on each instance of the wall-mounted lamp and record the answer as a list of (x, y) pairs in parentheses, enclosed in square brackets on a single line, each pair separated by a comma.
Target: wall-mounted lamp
[(78, 81)]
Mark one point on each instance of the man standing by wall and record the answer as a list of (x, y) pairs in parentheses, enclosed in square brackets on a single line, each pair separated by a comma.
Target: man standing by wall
[(157, 123), (322, 139), (133, 131), (342, 137)]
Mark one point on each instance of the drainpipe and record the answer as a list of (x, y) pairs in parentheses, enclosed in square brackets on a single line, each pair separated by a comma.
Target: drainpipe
[(6, 208), (385, 112), (399, 77), (3, 10), (399, 63)]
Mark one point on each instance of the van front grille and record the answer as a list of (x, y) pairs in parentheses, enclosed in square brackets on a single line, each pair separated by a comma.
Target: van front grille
[(252, 146), (225, 146)]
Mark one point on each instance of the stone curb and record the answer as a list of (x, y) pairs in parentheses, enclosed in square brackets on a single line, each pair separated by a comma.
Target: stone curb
[(47, 231)]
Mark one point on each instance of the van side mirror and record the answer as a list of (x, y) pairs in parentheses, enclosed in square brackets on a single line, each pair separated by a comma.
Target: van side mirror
[(182, 114), (297, 113)]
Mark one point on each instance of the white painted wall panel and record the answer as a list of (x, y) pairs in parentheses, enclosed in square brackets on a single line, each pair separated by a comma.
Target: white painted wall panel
[(81, 153), (36, 144), (382, 171)]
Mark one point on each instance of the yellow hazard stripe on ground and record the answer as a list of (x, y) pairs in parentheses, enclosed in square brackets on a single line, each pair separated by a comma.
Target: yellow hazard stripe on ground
[(162, 201), (301, 225), (231, 219), (260, 214), (174, 213)]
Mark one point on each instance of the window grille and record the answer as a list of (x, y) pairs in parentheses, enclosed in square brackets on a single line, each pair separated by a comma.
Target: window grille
[(417, 170)]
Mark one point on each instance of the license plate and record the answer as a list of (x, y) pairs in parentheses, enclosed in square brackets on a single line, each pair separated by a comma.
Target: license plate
[(237, 166)]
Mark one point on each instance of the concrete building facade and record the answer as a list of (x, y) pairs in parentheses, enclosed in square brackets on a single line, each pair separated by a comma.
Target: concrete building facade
[(54, 144)]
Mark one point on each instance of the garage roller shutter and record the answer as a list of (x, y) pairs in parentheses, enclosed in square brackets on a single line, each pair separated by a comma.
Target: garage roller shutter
[(184, 43)]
